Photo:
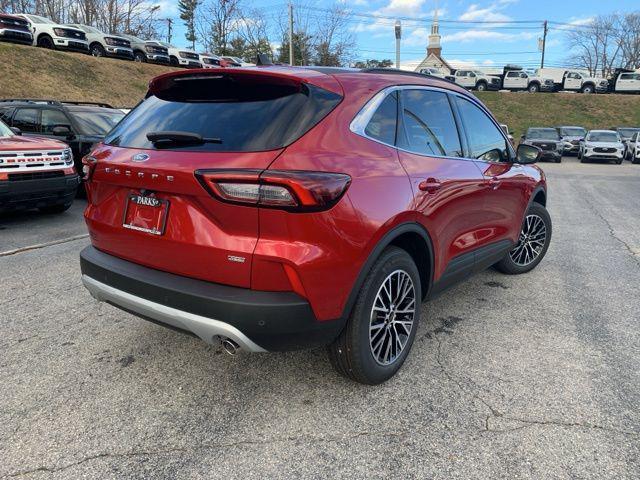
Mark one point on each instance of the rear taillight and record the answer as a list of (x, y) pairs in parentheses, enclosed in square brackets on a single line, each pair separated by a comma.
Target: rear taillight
[(88, 165), (298, 191)]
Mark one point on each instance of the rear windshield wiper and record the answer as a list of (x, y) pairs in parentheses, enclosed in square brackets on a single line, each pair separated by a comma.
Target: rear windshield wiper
[(185, 138)]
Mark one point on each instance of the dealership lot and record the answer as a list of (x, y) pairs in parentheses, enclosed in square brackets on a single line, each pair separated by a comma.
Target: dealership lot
[(510, 377)]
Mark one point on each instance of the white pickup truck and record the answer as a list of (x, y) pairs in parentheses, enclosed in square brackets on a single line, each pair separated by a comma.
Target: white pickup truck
[(515, 78), (574, 80), (625, 81), (477, 80)]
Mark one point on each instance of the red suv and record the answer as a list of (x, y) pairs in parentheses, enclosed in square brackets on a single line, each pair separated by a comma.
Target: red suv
[(278, 208)]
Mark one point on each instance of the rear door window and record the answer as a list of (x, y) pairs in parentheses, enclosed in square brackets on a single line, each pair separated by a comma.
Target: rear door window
[(429, 124), (53, 118), (27, 120), (244, 118), (383, 123)]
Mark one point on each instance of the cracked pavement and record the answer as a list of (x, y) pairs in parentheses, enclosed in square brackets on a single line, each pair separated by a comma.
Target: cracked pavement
[(535, 376)]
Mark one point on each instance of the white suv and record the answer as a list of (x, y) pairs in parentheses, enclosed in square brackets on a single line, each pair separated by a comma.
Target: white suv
[(602, 145), (182, 57), (105, 45), (209, 60), (49, 34), (633, 148)]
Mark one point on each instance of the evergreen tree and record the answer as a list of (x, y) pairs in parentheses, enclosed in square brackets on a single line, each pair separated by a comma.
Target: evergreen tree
[(187, 10)]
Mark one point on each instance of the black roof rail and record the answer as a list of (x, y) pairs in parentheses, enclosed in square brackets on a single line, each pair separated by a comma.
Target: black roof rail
[(47, 101), (89, 104), (396, 71), (31, 100)]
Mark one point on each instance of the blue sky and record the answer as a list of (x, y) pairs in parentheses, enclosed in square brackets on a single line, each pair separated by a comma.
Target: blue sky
[(463, 44)]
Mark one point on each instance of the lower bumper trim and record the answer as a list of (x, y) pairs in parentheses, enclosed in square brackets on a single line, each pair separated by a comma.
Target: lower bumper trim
[(208, 329)]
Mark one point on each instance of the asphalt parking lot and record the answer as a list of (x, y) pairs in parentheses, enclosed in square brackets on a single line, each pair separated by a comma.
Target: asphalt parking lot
[(536, 376)]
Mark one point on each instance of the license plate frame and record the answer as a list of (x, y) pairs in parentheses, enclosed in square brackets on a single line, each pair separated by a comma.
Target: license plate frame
[(143, 206)]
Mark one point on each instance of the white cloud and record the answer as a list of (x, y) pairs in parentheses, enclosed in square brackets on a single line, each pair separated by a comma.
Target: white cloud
[(404, 8), (482, 34), (488, 14)]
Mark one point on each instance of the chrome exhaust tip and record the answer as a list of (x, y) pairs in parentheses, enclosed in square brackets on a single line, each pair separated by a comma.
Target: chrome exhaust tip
[(230, 346)]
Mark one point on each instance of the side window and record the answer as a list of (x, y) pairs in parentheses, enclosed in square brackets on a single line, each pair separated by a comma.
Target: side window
[(5, 115), (53, 118), (513, 74), (26, 119), (382, 126), (625, 76), (429, 124), (486, 141)]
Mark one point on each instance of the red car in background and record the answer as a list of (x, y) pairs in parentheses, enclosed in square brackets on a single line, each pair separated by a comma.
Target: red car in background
[(35, 172), (279, 208)]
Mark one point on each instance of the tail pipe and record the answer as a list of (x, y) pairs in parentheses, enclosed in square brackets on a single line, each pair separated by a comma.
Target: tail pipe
[(230, 346)]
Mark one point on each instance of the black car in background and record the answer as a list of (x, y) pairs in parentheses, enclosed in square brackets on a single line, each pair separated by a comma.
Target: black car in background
[(80, 125), (546, 139)]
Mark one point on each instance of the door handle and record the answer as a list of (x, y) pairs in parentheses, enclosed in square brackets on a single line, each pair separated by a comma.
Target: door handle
[(430, 185), (494, 182)]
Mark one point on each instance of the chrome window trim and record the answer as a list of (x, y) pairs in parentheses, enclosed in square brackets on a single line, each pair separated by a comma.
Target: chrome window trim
[(359, 123)]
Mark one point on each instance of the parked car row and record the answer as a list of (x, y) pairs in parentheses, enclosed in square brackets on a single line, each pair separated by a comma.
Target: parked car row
[(516, 78), (616, 144), (43, 32)]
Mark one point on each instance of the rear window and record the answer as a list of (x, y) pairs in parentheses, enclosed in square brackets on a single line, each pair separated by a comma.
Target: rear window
[(245, 118)]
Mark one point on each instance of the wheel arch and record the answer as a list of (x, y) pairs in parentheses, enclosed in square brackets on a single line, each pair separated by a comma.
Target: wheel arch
[(416, 241), (539, 195), (94, 43)]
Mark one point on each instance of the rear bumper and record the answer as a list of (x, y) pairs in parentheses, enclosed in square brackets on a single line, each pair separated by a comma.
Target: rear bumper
[(258, 321), (38, 193)]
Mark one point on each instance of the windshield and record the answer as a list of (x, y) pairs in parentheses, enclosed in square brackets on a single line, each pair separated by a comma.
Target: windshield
[(5, 131), (610, 137), (210, 61), (244, 118), (543, 134), (573, 132), (628, 132), (97, 123)]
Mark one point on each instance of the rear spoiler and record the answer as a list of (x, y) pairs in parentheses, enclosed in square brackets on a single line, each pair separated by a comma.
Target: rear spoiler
[(265, 76)]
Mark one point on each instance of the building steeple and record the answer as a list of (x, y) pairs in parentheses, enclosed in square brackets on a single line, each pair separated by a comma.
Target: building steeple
[(434, 39)]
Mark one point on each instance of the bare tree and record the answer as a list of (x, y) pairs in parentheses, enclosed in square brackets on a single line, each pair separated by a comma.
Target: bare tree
[(334, 40), (253, 30), (218, 23), (629, 39)]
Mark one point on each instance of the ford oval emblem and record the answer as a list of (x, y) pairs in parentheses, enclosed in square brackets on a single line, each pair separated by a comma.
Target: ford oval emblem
[(140, 157)]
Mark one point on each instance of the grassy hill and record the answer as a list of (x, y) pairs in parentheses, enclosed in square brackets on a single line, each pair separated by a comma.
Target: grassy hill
[(35, 72), (523, 110), (39, 73)]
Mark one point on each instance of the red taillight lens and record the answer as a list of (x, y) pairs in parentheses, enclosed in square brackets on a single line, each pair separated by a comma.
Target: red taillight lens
[(88, 165), (289, 190)]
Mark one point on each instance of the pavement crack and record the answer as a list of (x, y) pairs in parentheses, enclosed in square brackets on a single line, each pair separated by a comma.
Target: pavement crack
[(205, 446), (39, 246), (612, 233)]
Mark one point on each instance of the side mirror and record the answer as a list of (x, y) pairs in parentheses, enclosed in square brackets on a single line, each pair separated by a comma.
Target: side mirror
[(61, 131), (16, 130), (527, 154)]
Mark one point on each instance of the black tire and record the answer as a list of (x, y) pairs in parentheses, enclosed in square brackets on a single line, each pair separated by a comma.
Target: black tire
[(534, 88), (635, 160), (55, 208), (45, 41), (140, 57), (508, 265), (482, 86), (97, 50), (174, 62), (619, 162), (588, 89), (352, 352), (559, 160)]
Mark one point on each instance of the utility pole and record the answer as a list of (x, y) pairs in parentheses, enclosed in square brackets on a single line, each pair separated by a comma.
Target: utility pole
[(544, 42), (291, 33), (398, 37), (169, 28)]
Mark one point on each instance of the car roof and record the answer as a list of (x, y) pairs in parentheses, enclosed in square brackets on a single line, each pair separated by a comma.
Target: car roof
[(602, 131)]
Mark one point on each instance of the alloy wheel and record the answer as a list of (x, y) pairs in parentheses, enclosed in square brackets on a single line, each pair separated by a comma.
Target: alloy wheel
[(392, 317), (531, 242)]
